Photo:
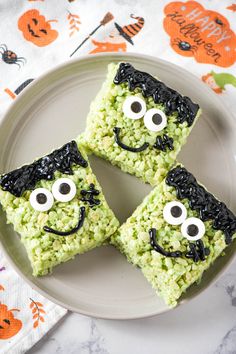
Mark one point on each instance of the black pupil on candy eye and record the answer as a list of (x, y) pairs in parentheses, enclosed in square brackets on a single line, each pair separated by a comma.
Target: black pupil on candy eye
[(192, 230), (64, 188), (176, 211), (41, 198), (136, 107), (157, 118)]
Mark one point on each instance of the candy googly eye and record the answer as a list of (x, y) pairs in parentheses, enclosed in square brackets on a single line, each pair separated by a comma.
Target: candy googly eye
[(41, 199), (64, 190), (193, 229), (134, 107), (174, 213), (155, 120)]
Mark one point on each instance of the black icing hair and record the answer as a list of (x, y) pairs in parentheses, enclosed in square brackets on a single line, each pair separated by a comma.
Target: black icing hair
[(26, 177), (171, 99), (201, 200)]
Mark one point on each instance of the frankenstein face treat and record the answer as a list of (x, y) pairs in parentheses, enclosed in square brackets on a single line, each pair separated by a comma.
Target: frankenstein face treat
[(57, 207), (138, 123), (176, 234)]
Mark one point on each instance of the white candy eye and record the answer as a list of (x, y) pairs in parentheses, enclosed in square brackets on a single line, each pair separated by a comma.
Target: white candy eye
[(134, 107), (174, 213), (41, 199), (155, 120), (193, 229), (64, 189)]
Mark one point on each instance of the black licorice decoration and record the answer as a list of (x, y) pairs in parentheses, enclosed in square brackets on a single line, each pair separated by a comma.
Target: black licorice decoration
[(26, 177), (205, 203), (171, 99)]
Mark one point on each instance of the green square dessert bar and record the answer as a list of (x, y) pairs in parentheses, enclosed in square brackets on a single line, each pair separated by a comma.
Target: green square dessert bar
[(138, 123), (57, 207), (176, 234)]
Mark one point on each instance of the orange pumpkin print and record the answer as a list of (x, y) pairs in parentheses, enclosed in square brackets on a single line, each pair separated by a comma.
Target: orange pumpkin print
[(9, 325), (36, 29), (203, 34)]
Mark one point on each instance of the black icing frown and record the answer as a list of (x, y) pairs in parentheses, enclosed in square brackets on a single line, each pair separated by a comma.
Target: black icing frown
[(63, 189), (154, 119), (193, 229)]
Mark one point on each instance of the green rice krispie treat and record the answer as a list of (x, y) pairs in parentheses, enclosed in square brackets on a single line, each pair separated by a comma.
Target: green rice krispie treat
[(57, 206), (138, 123), (176, 234)]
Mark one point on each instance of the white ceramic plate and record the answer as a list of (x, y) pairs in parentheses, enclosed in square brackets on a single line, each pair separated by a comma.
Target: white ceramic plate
[(51, 112)]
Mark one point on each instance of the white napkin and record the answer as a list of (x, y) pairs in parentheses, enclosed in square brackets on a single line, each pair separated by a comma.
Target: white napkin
[(24, 314), (43, 33)]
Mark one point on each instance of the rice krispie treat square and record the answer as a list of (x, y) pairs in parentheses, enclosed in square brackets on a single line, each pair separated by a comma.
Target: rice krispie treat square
[(57, 206), (176, 234), (138, 123)]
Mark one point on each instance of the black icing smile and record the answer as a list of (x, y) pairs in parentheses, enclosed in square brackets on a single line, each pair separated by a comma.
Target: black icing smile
[(116, 131), (158, 248), (72, 231), (197, 251), (162, 143)]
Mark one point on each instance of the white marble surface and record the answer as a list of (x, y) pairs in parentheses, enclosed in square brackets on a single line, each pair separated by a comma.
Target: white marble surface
[(206, 325)]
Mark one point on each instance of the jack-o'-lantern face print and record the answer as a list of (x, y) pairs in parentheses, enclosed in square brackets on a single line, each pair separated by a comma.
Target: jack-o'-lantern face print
[(36, 29), (9, 325)]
